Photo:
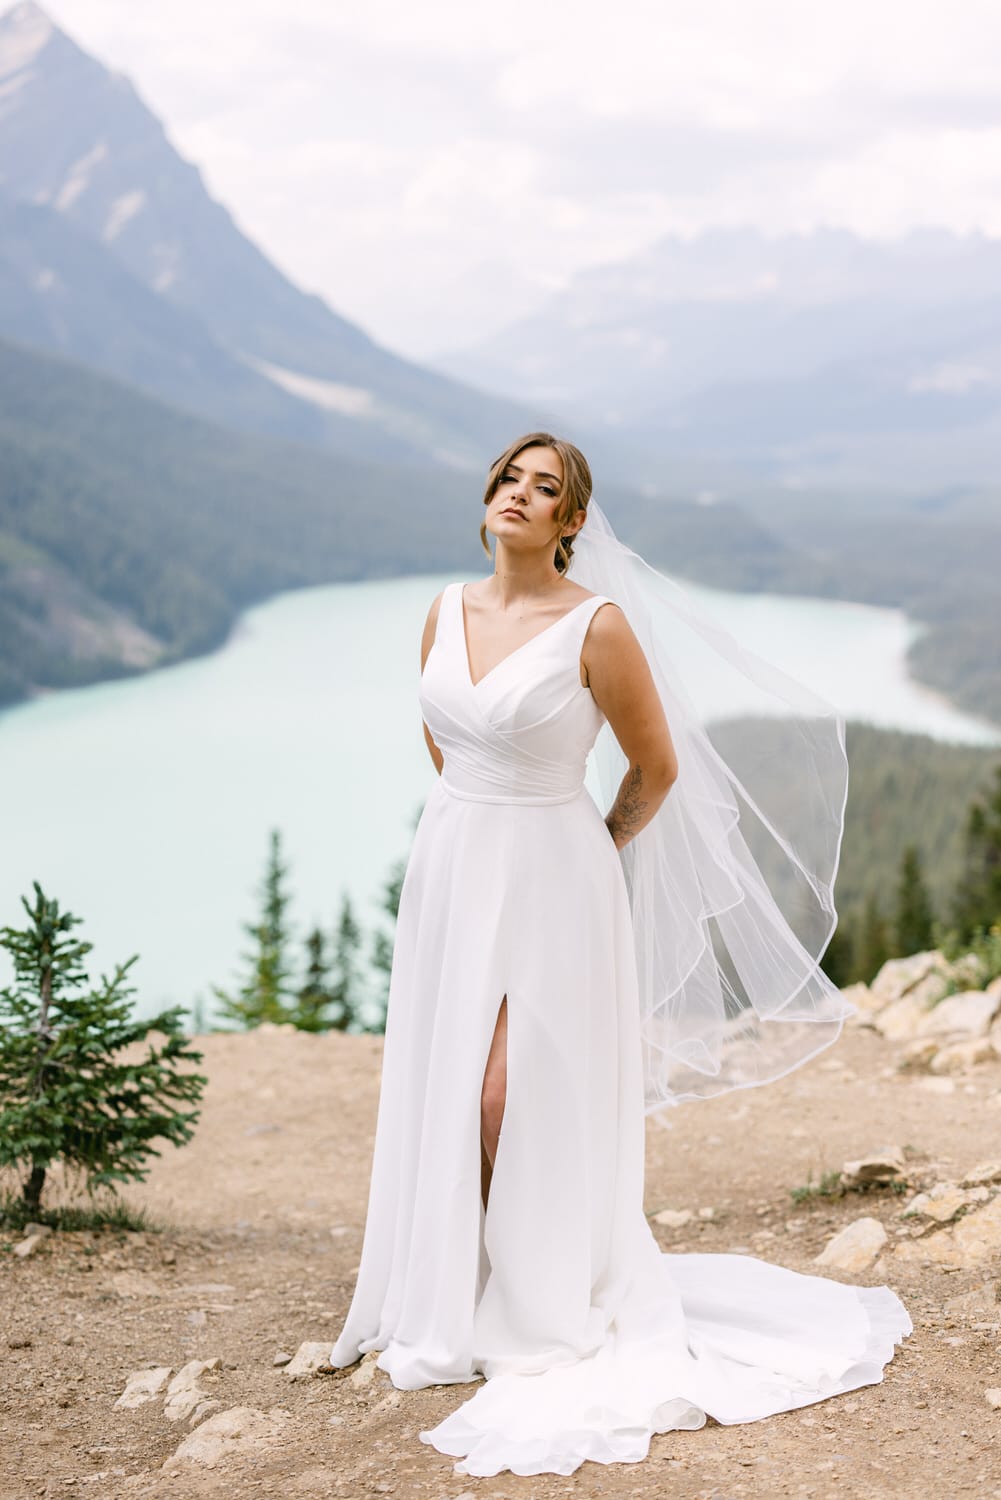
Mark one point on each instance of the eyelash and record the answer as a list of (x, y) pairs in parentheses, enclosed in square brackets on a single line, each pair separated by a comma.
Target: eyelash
[(547, 488)]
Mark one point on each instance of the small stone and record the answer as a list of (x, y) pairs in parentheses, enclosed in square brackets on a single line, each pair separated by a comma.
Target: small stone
[(366, 1371), (142, 1385), (882, 1166), (134, 1284), (919, 1053), (707, 1213), (184, 1392), (944, 1201), (975, 1238), (203, 1410), (674, 1218), (280, 1359), (310, 1359), (993, 1397), (242, 1430), (984, 1171), (855, 1247), (27, 1247), (957, 1057)]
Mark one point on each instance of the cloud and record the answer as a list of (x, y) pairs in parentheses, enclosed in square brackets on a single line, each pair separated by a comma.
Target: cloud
[(381, 152)]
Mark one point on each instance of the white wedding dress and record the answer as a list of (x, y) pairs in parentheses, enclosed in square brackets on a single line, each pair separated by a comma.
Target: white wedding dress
[(591, 1339)]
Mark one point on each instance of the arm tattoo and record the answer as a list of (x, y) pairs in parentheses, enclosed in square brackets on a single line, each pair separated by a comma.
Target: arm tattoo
[(626, 818)]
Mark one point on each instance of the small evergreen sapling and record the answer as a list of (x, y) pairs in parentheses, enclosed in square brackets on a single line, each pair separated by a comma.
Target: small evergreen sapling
[(66, 1094)]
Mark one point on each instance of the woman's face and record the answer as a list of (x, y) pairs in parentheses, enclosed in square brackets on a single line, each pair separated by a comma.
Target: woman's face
[(521, 510)]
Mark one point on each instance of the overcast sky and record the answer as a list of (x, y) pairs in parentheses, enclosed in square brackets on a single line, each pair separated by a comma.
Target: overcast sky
[(432, 169)]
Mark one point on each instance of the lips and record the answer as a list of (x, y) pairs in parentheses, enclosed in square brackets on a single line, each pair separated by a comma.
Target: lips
[(513, 513)]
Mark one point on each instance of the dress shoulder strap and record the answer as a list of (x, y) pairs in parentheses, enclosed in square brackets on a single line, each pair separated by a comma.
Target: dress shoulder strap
[(578, 622)]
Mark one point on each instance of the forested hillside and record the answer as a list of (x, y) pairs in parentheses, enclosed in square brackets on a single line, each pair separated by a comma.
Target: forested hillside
[(132, 534)]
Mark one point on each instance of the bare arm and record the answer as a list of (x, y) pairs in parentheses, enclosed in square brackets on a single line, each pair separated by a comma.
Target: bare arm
[(427, 641), (622, 685)]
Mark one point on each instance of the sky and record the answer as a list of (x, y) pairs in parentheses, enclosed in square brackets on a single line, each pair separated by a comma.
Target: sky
[(436, 170)]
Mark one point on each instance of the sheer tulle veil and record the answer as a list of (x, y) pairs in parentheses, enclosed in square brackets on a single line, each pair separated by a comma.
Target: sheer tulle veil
[(731, 883)]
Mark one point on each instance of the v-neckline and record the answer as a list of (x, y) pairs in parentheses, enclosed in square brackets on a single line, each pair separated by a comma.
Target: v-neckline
[(497, 665)]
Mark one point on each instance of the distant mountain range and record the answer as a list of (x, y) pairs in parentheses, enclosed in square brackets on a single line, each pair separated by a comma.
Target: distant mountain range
[(183, 432), (113, 252), (800, 360)]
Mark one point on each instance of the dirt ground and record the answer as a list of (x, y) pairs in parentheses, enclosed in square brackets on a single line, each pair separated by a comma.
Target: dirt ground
[(261, 1219)]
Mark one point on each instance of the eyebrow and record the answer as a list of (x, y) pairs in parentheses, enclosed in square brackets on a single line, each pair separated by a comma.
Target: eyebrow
[(541, 472)]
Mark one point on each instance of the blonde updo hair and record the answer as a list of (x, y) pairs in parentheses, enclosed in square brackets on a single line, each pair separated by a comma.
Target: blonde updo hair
[(574, 493)]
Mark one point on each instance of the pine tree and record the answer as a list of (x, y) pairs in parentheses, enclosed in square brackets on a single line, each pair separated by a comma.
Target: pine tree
[(347, 985), (317, 1007), (66, 1094), (977, 903), (873, 942), (914, 918), (267, 993)]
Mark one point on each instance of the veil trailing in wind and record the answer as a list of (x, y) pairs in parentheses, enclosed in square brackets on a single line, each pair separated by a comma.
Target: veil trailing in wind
[(731, 883)]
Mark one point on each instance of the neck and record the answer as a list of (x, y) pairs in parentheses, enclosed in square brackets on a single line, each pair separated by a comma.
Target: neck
[(518, 577)]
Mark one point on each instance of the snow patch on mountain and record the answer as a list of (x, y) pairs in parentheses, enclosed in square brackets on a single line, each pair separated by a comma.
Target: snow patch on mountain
[(78, 177), (24, 31), (349, 400), (122, 210)]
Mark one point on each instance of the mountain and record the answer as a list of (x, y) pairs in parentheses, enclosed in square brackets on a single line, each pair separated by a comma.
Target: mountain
[(219, 328), (734, 358), (132, 534)]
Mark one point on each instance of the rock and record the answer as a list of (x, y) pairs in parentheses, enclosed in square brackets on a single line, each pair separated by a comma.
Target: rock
[(142, 1385), (958, 1057), (310, 1359), (202, 1410), (944, 1201), (39, 1229), (975, 1239), (134, 1284), (241, 1430), (994, 988), (985, 1171), (993, 1397), (968, 1014), (865, 1002), (674, 1218), (898, 975), (281, 1359), (882, 1166), (184, 1392), (366, 1371), (919, 1053), (855, 1247), (902, 1018), (27, 1247)]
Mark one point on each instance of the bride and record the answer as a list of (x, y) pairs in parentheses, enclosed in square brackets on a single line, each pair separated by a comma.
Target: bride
[(558, 973)]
